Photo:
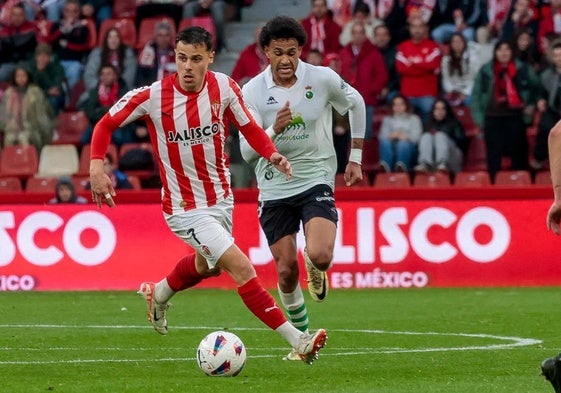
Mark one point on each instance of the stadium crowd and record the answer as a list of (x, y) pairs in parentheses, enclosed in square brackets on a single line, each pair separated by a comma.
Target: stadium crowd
[(450, 86)]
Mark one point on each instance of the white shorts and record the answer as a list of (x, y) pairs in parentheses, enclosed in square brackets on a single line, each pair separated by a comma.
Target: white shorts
[(207, 229)]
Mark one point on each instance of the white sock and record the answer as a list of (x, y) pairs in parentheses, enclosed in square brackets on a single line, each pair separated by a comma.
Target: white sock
[(294, 304), (162, 292), (290, 333)]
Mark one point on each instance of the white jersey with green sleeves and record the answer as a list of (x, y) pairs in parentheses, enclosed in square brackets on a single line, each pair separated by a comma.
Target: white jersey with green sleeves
[(308, 141)]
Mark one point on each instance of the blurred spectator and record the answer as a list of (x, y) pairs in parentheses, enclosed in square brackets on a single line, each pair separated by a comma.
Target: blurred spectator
[(361, 15), (341, 11), (119, 180), (393, 14), (323, 33), (497, 13), (217, 9), (362, 66), (383, 41), (418, 64), (112, 51), (459, 16), (442, 143), (65, 192), (26, 117), (157, 59), (69, 38), (521, 17), (550, 23), (315, 58), (100, 100), (251, 61), (17, 41), (459, 68), (504, 92), (549, 105), (152, 8), (545, 49), (49, 76), (526, 50), (399, 136), (98, 10), (422, 9)]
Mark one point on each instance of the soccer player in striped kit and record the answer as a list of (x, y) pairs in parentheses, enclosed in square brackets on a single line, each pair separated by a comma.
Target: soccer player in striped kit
[(293, 101), (185, 114)]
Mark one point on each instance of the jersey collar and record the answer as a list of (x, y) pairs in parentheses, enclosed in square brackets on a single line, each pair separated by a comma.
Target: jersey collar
[(299, 74)]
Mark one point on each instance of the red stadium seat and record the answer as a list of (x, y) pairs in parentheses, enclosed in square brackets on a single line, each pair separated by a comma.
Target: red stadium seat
[(126, 28), (543, 178), (370, 156), (135, 182), (41, 184), (92, 36), (472, 179), (513, 178), (476, 157), (75, 92), (463, 114), (69, 127), (146, 30), (84, 168), (20, 161), (141, 173), (10, 184), (392, 180), (80, 183), (203, 21), (124, 9), (437, 179)]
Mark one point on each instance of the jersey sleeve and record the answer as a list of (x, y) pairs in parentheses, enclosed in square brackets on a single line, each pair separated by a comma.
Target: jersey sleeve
[(345, 98), (251, 130), (132, 106)]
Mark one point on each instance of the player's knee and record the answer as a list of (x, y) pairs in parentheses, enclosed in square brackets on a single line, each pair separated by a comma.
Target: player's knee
[(321, 258)]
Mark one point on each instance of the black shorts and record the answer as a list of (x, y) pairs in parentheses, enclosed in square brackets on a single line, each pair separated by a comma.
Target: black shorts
[(282, 217)]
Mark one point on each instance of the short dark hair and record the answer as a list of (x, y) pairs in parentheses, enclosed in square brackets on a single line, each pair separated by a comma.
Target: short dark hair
[(195, 35), (282, 27)]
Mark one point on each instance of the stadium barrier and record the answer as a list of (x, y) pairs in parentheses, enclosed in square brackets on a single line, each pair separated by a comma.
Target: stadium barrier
[(383, 241)]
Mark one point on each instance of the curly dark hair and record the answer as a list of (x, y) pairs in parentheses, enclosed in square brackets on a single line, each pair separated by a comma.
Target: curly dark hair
[(282, 27)]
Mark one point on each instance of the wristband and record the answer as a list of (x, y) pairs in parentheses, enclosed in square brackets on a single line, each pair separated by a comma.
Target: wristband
[(356, 156), (270, 131)]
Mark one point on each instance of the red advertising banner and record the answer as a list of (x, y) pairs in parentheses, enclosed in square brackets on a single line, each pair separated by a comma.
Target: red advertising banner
[(386, 244)]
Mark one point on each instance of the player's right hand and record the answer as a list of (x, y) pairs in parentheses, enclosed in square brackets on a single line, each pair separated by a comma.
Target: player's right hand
[(281, 163), (284, 118), (554, 217)]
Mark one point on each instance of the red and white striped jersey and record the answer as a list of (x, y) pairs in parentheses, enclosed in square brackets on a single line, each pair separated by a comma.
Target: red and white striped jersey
[(187, 132)]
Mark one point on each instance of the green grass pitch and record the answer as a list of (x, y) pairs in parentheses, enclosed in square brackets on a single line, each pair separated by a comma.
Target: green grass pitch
[(390, 341)]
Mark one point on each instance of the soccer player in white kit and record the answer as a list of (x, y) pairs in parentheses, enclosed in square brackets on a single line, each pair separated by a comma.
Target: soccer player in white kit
[(185, 114), (293, 101)]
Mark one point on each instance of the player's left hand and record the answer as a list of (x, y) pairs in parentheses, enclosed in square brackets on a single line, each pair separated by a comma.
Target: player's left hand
[(353, 173), (101, 185), (281, 163)]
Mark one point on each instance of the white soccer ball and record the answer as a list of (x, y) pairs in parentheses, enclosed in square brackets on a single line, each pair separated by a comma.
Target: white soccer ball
[(221, 354)]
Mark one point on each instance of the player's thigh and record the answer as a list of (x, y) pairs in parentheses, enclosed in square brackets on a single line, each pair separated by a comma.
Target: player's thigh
[(237, 265), (285, 251), (320, 235)]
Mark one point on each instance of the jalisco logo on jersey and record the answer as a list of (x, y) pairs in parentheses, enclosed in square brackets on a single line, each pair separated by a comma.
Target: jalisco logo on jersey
[(194, 135)]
